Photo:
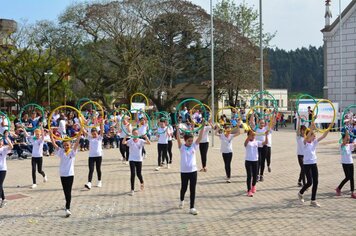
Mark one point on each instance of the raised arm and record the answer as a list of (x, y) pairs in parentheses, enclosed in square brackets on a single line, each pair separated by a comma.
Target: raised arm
[(323, 136), (298, 125), (200, 136), (53, 140), (9, 143), (178, 138), (238, 129), (266, 139), (76, 145), (246, 141)]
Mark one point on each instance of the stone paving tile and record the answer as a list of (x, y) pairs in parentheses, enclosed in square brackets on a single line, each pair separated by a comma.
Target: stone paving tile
[(223, 208)]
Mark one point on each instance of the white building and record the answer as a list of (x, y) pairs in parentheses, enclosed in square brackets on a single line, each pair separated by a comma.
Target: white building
[(340, 68)]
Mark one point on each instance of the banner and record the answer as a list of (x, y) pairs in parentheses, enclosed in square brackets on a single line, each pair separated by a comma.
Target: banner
[(325, 112), (138, 106)]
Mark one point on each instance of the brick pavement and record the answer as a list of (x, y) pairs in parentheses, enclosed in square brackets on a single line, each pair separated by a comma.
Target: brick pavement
[(223, 208)]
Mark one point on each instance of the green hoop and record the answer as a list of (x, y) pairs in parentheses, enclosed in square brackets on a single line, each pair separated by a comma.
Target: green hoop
[(8, 120), (148, 122), (23, 109), (297, 105), (343, 120), (177, 113)]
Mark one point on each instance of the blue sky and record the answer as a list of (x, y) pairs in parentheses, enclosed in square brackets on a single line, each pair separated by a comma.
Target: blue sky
[(297, 22)]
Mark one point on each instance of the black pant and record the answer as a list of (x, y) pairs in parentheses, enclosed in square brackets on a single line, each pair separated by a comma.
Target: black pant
[(169, 148), (37, 161), (50, 147), (185, 178), (227, 160), (67, 183), (262, 156), (311, 172), (124, 150), (135, 165), (84, 143), (251, 171), (203, 148), (349, 175), (162, 153), (2, 178), (91, 162), (301, 174)]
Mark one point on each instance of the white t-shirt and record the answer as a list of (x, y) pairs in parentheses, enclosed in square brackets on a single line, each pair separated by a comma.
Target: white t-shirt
[(4, 150), (170, 131), (300, 145), (142, 130), (3, 127), (346, 153), (37, 146), (95, 146), (188, 161), (66, 166), (62, 126), (135, 149), (163, 135), (205, 137), (309, 153), (252, 150), (260, 136), (226, 143), (55, 117), (124, 130)]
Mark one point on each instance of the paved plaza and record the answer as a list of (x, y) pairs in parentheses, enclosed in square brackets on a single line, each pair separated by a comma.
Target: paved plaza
[(224, 209)]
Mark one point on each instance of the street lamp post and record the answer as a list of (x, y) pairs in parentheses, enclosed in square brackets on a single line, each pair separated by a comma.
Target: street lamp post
[(48, 74), (19, 94), (261, 52)]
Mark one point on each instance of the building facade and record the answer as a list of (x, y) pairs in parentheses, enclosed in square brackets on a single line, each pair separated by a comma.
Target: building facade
[(340, 65)]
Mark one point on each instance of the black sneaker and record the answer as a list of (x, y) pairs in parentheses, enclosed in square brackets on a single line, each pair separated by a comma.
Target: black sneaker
[(261, 178), (300, 184)]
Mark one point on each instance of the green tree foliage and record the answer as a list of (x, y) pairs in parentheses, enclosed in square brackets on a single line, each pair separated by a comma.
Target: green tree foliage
[(300, 70)]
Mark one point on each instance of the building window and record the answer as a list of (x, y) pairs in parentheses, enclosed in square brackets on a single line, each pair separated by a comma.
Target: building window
[(282, 103), (277, 103)]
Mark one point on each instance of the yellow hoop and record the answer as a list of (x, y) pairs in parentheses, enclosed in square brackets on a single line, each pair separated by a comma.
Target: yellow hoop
[(141, 94), (191, 112), (224, 108), (334, 117), (121, 108), (50, 126), (247, 119), (96, 105)]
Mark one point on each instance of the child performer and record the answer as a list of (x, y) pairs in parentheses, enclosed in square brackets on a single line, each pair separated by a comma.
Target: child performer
[(204, 145), (95, 154), (300, 147), (346, 149), (66, 168), (310, 165), (162, 146), (188, 167), (4, 150), (136, 145), (37, 142), (251, 160), (226, 147)]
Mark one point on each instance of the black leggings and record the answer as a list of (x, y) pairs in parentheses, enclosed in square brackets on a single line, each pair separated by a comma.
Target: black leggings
[(185, 178), (97, 161), (227, 160), (311, 172), (203, 148), (37, 161), (170, 144), (162, 153), (138, 166), (67, 183), (349, 175), (301, 174), (124, 150), (251, 171), (265, 156), (2, 178)]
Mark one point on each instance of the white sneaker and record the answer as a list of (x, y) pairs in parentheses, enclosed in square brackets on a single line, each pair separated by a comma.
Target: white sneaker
[(132, 192), (181, 204), (126, 162), (88, 185), (314, 204), (158, 168), (300, 197), (3, 203), (228, 180), (168, 166), (68, 213), (99, 185), (193, 211), (34, 186), (45, 179)]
